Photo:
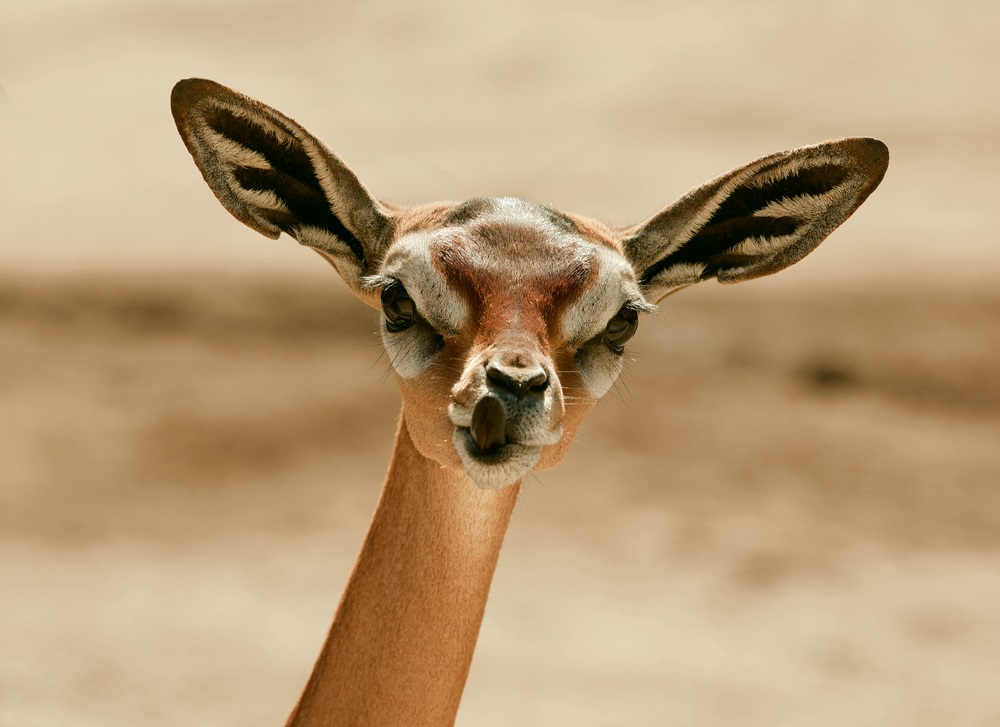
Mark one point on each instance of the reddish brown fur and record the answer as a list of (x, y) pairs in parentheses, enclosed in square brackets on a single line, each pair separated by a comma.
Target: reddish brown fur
[(501, 294), (594, 231), (517, 283), (422, 217)]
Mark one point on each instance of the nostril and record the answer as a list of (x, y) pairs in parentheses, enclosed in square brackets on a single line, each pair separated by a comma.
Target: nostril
[(499, 377), (538, 383), (517, 381), (495, 375)]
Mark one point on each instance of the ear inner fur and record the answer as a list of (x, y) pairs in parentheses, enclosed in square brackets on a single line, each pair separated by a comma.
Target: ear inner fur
[(274, 176), (757, 219)]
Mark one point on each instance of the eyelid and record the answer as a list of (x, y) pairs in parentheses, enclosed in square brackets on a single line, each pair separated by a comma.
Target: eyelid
[(641, 306), (378, 282)]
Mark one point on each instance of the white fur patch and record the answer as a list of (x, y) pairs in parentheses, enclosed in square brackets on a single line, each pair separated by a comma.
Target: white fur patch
[(615, 286), (413, 350), (513, 463), (678, 275), (233, 153), (409, 261), (785, 166), (805, 206), (321, 240), (599, 369), (263, 198), (533, 422)]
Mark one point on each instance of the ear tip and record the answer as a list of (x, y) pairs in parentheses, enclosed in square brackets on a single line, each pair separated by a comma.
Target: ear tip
[(872, 156), (183, 96), (187, 87), (876, 149), (872, 153), (189, 91)]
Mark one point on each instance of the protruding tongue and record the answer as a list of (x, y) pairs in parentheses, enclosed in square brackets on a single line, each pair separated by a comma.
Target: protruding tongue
[(489, 420)]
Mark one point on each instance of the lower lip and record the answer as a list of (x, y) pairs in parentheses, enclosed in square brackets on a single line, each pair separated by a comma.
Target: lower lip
[(499, 468), (494, 456)]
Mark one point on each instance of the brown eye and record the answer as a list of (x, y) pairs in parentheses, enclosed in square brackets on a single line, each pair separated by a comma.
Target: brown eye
[(397, 306), (621, 328)]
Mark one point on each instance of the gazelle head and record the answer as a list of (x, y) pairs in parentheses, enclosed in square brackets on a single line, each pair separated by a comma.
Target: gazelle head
[(505, 321)]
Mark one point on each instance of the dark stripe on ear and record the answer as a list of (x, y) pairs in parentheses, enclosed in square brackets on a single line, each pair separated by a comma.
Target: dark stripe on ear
[(734, 220), (293, 178), (291, 159), (809, 181), (716, 242), (306, 206), (712, 244)]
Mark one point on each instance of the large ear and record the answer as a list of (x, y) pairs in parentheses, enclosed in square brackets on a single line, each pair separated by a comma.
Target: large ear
[(757, 219), (274, 176)]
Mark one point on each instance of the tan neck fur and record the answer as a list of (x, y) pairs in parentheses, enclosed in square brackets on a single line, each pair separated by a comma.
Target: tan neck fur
[(402, 640)]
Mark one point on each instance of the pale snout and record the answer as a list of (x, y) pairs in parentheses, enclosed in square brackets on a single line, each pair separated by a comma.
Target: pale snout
[(507, 406)]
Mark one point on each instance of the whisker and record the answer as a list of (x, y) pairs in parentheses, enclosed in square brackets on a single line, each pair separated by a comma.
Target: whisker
[(616, 391), (623, 378), (380, 357), (538, 480)]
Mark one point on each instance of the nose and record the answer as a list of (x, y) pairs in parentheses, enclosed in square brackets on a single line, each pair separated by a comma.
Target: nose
[(517, 373)]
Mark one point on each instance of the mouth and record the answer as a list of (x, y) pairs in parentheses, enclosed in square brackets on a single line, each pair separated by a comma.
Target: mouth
[(488, 427), (491, 456), (498, 467)]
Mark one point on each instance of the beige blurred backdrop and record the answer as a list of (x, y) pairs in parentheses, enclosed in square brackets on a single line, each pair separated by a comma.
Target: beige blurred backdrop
[(788, 511)]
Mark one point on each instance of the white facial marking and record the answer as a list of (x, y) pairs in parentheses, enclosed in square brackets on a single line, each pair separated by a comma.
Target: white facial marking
[(532, 422), (440, 312), (615, 286), (588, 316), (511, 246), (599, 368), (497, 471), (409, 262)]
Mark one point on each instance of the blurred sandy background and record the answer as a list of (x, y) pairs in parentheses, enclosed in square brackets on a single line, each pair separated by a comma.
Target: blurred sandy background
[(789, 511)]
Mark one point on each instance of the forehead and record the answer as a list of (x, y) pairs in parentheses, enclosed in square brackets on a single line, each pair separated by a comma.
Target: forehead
[(511, 241), (512, 260)]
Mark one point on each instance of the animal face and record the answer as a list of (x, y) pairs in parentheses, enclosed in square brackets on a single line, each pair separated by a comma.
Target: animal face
[(505, 321)]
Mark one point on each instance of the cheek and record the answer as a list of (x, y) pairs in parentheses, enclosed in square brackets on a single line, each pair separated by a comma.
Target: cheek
[(411, 352), (578, 404), (599, 368), (575, 414), (425, 406)]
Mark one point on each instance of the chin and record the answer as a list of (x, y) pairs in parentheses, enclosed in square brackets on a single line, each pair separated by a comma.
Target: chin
[(499, 468)]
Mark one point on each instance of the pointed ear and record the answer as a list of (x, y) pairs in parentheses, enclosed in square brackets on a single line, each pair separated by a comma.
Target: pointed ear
[(275, 177), (757, 219)]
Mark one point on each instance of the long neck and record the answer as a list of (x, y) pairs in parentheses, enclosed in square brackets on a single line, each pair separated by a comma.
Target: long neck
[(401, 643)]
